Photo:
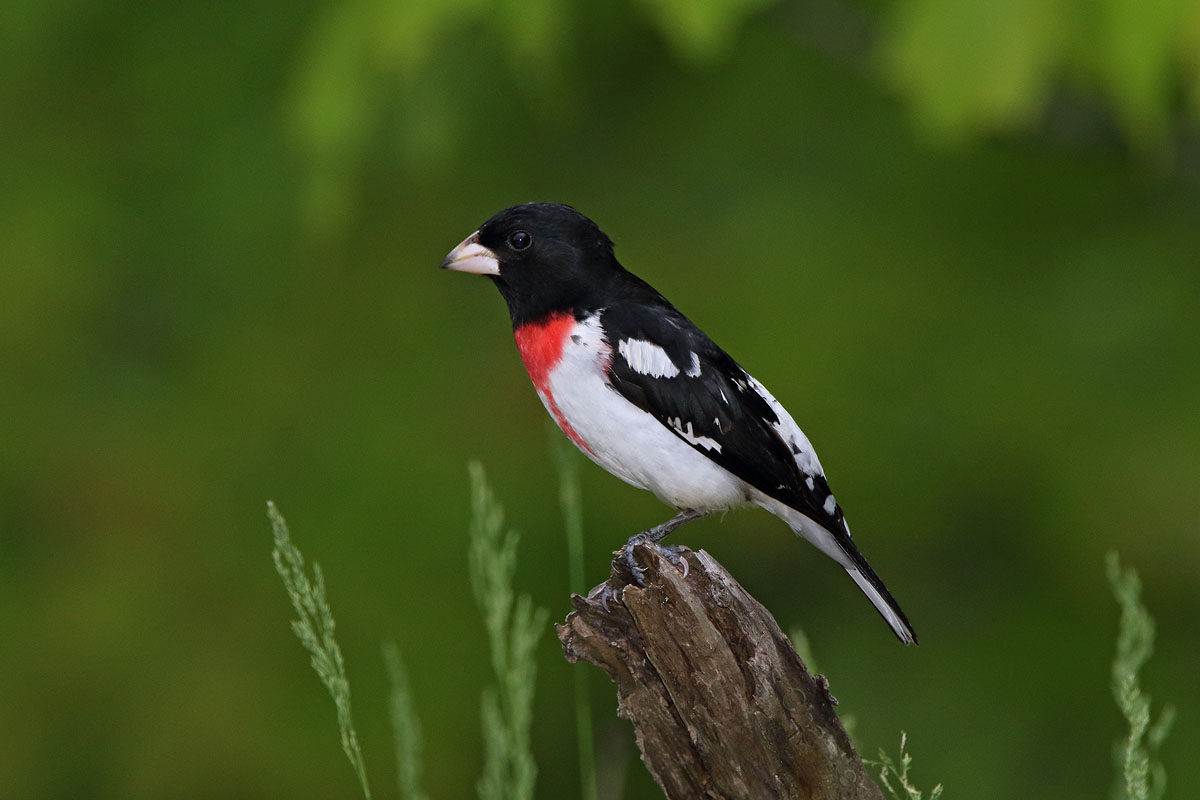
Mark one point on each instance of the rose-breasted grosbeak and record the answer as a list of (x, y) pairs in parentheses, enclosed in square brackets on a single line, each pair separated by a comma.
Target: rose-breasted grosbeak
[(645, 394)]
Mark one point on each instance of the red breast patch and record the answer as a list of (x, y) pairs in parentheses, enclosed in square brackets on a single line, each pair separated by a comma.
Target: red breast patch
[(541, 345)]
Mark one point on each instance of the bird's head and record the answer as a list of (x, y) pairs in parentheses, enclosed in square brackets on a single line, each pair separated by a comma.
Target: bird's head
[(543, 257)]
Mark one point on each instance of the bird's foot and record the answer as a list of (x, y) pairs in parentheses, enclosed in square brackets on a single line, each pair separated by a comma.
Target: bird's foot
[(624, 560), (610, 590), (674, 554), (655, 535), (625, 556)]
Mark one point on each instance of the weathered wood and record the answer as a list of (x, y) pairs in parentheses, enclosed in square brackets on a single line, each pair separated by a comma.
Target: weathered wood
[(721, 704)]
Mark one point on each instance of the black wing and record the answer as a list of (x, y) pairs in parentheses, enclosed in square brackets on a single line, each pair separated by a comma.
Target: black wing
[(709, 402)]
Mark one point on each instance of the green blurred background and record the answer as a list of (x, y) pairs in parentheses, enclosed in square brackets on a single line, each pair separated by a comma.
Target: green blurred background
[(959, 240)]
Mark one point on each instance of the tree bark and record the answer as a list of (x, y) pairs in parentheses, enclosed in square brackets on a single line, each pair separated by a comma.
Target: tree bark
[(721, 704)]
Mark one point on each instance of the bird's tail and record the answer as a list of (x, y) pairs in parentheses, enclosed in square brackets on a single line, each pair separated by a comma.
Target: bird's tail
[(841, 548), (881, 598)]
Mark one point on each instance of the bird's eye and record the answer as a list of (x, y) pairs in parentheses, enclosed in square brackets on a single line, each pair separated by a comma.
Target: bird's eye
[(520, 240)]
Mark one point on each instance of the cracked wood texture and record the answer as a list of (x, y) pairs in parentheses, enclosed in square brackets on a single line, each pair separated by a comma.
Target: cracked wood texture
[(721, 704)]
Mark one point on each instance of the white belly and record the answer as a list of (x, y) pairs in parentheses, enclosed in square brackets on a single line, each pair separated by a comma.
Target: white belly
[(627, 441)]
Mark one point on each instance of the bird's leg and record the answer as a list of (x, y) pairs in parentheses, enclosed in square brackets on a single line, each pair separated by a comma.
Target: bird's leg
[(659, 532), (654, 536)]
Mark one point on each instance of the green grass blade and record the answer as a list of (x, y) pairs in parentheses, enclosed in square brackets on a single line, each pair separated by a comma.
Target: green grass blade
[(570, 498), (513, 628), (1141, 776), (406, 728), (315, 629)]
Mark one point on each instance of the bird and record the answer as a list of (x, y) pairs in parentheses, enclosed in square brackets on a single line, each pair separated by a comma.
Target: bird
[(645, 394)]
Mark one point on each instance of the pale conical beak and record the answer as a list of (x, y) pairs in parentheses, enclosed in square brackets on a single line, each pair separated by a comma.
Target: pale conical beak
[(471, 256)]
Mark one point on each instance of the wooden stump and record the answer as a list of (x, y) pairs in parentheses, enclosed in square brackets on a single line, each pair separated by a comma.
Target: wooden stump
[(721, 704)]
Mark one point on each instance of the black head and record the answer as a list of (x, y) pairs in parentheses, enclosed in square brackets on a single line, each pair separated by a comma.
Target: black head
[(543, 257)]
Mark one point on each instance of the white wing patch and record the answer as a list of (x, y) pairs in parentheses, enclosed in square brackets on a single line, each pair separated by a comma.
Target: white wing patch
[(830, 504), (694, 369), (689, 435), (647, 358)]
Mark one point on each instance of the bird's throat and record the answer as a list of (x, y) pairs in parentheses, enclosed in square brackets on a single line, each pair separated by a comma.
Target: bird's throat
[(541, 346)]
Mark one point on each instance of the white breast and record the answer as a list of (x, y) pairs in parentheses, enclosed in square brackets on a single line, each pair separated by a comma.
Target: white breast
[(627, 441)]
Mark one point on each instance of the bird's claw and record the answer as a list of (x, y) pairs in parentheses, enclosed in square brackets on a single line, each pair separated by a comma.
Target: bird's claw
[(626, 556), (675, 556), (605, 593)]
